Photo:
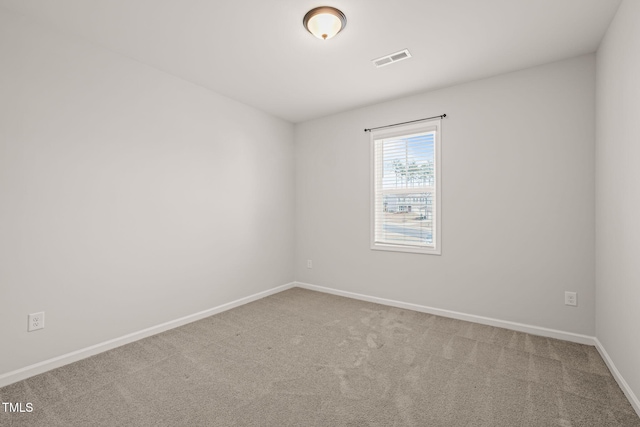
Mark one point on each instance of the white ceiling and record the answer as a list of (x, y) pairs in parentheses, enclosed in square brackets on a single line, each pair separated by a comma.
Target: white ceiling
[(257, 51)]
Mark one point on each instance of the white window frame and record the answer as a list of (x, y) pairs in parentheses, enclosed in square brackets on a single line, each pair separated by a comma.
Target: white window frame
[(427, 126)]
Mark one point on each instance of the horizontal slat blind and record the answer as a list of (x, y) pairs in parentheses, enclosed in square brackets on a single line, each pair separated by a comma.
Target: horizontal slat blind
[(404, 192)]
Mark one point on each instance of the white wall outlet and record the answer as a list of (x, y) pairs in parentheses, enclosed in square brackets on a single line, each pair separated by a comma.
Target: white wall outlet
[(571, 298), (36, 321), (309, 263)]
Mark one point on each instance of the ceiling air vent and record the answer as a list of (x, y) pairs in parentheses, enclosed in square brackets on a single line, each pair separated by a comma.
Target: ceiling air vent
[(391, 58)]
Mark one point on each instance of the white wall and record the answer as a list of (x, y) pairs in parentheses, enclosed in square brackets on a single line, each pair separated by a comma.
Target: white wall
[(518, 200), (128, 197), (617, 193)]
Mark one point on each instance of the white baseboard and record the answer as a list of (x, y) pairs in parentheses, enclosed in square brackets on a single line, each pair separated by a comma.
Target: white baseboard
[(521, 327), (74, 356), (633, 399)]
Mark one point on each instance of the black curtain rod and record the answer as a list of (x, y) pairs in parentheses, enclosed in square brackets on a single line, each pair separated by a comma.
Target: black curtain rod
[(442, 116)]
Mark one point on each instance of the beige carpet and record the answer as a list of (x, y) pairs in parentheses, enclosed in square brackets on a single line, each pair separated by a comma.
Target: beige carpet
[(302, 358)]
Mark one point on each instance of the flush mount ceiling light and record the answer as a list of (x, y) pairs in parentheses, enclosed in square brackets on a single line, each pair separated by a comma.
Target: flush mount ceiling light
[(324, 22)]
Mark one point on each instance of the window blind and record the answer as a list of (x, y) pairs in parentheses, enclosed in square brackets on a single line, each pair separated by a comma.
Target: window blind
[(405, 189)]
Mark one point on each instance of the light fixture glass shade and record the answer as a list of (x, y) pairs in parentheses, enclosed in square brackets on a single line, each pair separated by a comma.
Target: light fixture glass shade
[(324, 22)]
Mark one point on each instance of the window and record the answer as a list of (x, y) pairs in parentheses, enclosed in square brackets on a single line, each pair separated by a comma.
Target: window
[(405, 202)]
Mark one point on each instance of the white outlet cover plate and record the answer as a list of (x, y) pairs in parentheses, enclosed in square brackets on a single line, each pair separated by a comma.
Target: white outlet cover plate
[(36, 321), (571, 298)]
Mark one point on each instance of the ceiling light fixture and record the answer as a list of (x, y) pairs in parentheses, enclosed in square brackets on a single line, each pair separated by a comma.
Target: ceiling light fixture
[(324, 22)]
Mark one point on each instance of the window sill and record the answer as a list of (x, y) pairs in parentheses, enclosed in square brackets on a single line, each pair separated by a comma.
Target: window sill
[(409, 249)]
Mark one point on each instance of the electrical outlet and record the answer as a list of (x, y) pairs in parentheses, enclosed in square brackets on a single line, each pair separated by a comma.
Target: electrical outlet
[(36, 321), (309, 263), (571, 298)]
